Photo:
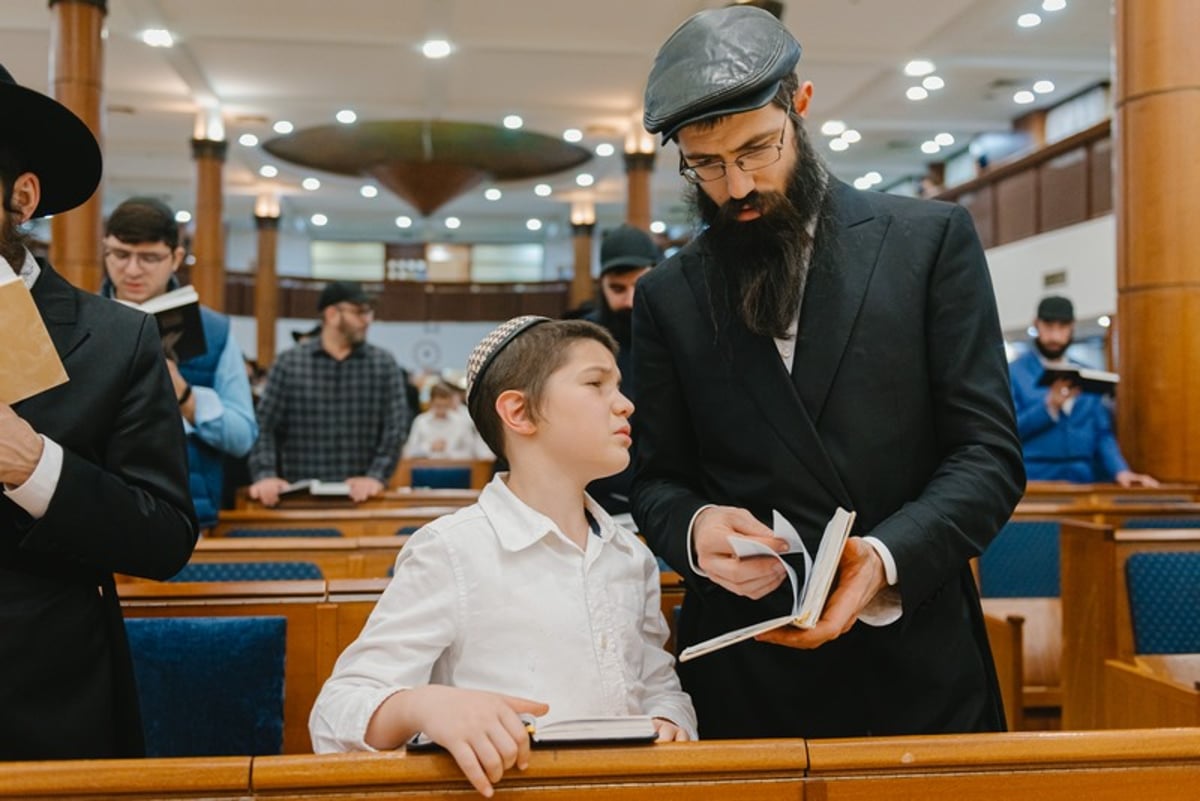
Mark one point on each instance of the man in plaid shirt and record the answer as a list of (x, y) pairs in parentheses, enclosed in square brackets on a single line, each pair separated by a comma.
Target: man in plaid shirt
[(334, 408)]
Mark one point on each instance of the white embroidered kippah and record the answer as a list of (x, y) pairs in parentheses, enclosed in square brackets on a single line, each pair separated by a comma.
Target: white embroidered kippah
[(483, 354)]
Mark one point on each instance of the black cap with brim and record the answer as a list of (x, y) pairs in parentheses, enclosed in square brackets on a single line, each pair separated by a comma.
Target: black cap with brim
[(1056, 309), (721, 61), (49, 141)]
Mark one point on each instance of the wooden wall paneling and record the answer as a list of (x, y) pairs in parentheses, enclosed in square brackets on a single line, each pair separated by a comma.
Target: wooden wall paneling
[(1063, 182), (1017, 207)]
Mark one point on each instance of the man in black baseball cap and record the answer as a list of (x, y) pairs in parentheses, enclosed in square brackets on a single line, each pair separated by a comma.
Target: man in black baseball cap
[(93, 471), (816, 347)]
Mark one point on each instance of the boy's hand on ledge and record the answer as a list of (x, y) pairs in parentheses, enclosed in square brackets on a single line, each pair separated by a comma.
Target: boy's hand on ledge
[(668, 732)]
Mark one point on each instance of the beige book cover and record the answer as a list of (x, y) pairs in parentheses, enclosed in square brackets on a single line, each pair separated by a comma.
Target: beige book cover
[(29, 364)]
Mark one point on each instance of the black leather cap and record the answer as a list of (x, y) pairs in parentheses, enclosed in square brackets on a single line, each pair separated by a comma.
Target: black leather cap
[(721, 61), (627, 248), (1056, 309)]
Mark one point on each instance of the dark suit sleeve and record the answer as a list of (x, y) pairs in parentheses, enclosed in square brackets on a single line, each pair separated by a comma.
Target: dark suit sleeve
[(131, 513), (665, 490), (980, 476)]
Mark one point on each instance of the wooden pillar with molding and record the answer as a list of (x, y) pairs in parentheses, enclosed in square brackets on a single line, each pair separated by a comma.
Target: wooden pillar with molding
[(77, 81), (1157, 110), (639, 167), (583, 287), (266, 285), (208, 247)]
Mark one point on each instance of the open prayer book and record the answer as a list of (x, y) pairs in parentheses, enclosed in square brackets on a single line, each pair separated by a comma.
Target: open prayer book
[(1100, 382), (601, 730), (178, 315), (336, 489), (808, 601), (29, 364)]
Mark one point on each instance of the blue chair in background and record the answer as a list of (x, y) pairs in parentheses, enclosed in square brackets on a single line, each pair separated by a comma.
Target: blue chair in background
[(1162, 522), (210, 686), (248, 571), (449, 477), (1021, 562), (407, 530), (1164, 601), (283, 532)]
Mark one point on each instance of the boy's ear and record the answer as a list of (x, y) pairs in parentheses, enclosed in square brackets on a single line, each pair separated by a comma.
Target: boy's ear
[(513, 410)]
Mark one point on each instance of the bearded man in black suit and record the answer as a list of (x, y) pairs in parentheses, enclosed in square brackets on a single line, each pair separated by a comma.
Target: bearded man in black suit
[(816, 347), (94, 471)]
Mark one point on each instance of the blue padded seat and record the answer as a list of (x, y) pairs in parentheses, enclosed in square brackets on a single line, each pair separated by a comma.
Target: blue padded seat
[(1162, 522), (449, 477), (248, 571), (283, 532), (407, 530), (210, 686), (1164, 597), (1021, 562)]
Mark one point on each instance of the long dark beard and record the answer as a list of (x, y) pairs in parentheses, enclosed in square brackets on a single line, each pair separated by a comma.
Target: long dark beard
[(12, 242), (1052, 354), (765, 260), (620, 323)]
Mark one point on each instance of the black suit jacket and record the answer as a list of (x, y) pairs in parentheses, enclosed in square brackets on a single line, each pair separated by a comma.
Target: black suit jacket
[(121, 505), (898, 407)]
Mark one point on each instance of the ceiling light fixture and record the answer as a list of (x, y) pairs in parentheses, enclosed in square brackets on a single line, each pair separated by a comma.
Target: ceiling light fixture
[(493, 194), (658, 227), (572, 135), (933, 83), (944, 139), (1029, 20), (918, 67), (247, 140), (513, 121), (283, 127), (585, 179), (403, 221), (268, 171), (604, 150), (453, 223), (833, 127), (436, 48), (542, 190), (346, 116), (916, 93), (1043, 87), (158, 37), (1053, 5), (852, 136), (183, 216), (533, 224), (929, 146), (318, 219), (311, 184), (1024, 97), (368, 190), (838, 145)]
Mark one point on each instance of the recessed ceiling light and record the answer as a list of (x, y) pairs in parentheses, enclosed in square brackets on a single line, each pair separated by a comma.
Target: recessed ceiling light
[(929, 146), (542, 190), (183, 216), (453, 222), (874, 177), (944, 139), (436, 48), (838, 145), (585, 179), (1043, 87), (918, 67), (933, 83), (1024, 97), (368, 190), (658, 227), (604, 149), (1104, 321), (158, 37), (346, 116), (283, 127), (852, 136), (572, 135), (1029, 20), (1053, 5), (862, 183), (403, 221), (513, 121), (311, 184), (533, 224), (268, 171), (318, 219), (916, 93), (833, 127), (247, 140), (493, 194)]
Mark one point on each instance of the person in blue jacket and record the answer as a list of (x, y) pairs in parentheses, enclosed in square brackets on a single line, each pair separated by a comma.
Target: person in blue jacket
[(1066, 434)]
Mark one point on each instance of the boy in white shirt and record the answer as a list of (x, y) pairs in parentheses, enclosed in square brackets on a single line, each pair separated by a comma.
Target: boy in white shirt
[(530, 601), (440, 433)]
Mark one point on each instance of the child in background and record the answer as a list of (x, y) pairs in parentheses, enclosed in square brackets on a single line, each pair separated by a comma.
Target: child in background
[(530, 601)]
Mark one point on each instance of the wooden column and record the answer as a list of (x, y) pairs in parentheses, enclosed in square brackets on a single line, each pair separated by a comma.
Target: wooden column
[(1158, 273), (208, 273), (76, 81), (266, 287), (638, 169), (583, 288)]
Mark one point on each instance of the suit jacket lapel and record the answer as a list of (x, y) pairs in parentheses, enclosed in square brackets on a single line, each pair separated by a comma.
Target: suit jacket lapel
[(56, 302), (755, 360), (841, 270)]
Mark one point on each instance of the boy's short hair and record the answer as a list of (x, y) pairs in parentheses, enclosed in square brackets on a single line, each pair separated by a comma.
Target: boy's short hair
[(143, 220), (523, 362), (441, 391)]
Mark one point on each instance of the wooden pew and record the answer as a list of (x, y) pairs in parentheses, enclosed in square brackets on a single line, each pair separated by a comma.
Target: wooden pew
[(1049, 766), (1026, 639), (1102, 512), (311, 631), (1090, 494), (395, 498), (338, 557), (481, 470), (356, 522), (215, 778), (1004, 637), (1095, 608), (1152, 691)]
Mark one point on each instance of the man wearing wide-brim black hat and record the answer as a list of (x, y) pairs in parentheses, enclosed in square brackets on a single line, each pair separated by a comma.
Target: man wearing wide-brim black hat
[(94, 471), (816, 347)]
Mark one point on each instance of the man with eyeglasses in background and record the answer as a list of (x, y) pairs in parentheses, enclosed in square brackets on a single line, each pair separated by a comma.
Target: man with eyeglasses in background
[(334, 408), (815, 347), (142, 253)]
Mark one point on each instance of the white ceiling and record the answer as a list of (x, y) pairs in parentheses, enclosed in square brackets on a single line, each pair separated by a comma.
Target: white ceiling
[(558, 63)]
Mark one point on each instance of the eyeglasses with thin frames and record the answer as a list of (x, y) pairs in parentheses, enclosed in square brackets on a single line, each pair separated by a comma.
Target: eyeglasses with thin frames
[(147, 258), (756, 159)]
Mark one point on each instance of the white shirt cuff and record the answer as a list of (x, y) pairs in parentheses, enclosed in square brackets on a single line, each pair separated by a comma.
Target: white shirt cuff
[(208, 407), (691, 554), (34, 495), (886, 607)]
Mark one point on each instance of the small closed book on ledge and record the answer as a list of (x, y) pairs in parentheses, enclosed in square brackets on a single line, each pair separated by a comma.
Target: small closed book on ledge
[(808, 601), (29, 364), (178, 316), (1100, 382), (601, 730), (334, 489)]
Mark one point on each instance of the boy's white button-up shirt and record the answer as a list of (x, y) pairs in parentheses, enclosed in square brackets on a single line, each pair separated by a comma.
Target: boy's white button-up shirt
[(494, 597)]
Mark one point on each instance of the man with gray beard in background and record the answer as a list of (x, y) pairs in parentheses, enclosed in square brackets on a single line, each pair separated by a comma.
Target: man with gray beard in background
[(816, 347)]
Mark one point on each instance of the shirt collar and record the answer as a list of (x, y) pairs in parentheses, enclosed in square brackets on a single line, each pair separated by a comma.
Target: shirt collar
[(518, 526), (28, 273)]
